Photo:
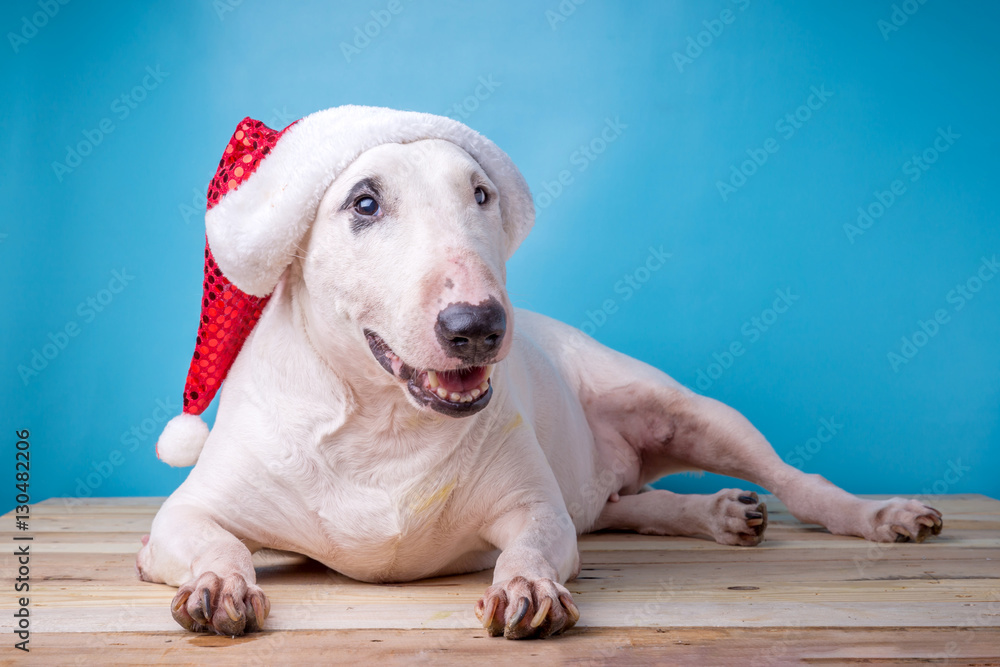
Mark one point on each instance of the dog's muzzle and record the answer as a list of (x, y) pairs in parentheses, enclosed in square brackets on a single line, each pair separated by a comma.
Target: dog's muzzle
[(456, 393)]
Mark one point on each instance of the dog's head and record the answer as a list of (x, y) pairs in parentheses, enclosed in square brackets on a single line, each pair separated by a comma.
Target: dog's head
[(401, 243), (409, 246)]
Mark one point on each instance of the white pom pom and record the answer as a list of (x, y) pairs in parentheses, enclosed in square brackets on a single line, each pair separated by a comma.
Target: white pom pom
[(181, 441)]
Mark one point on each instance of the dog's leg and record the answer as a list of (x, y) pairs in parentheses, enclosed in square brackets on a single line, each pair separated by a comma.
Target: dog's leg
[(730, 516), (539, 553), (537, 539), (213, 568), (711, 436)]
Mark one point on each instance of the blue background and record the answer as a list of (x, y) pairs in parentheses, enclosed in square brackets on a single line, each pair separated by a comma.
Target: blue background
[(136, 203)]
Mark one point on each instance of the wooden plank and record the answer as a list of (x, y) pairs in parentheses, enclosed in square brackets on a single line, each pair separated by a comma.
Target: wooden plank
[(288, 613), (103, 569), (309, 596), (587, 646), (819, 596)]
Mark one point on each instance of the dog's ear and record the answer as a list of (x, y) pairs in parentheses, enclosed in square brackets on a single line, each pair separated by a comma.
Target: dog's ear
[(516, 207)]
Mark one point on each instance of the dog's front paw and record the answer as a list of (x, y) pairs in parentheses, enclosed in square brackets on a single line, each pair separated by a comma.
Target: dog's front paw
[(523, 609), (902, 520), (224, 605)]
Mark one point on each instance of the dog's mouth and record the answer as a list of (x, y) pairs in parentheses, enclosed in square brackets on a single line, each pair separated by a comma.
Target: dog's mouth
[(456, 393)]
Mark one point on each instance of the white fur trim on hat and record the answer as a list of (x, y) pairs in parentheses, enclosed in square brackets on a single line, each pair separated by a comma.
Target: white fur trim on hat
[(254, 230), (181, 441)]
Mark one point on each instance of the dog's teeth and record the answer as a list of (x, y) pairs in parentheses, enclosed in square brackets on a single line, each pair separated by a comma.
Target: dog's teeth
[(489, 371), (442, 392), (466, 398), (432, 379), (484, 386), (455, 397), (475, 392)]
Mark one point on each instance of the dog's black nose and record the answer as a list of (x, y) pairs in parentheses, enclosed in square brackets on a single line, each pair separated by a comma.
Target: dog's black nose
[(472, 333)]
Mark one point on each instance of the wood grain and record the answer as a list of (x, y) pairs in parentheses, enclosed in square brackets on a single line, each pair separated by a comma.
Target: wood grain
[(802, 596)]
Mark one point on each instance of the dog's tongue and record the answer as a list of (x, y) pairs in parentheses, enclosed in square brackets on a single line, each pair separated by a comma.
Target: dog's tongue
[(463, 380)]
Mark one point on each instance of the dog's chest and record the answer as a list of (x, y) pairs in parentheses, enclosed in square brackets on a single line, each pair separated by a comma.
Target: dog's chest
[(392, 532)]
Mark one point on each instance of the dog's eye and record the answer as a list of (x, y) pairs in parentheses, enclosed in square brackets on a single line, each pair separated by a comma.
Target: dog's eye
[(480, 196), (367, 206)]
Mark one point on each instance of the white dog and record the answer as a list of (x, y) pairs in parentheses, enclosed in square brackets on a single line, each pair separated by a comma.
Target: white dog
[(393, 417)]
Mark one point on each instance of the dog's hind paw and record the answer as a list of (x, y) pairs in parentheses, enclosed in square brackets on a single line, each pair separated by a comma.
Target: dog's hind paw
[(902, 520), (738, 518), (523, 609), (223, 605)]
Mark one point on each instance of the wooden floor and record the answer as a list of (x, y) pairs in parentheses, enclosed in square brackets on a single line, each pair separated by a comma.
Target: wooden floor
[(802, 596)]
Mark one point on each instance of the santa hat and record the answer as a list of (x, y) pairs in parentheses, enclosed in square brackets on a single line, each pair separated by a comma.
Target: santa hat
[(260, 205)]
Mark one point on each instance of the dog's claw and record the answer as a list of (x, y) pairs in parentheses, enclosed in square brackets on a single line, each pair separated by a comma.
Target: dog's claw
[(543, 611), (230, 608), (179, 602), (536, 608), (749, 499), (261, 607), (180, 614), (206, 602), (202, 613), (571, 609), (486, 615), (520, 612), (234, 598)]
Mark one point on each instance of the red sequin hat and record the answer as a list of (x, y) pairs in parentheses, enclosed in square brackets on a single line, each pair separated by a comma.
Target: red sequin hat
[(228, 314), (261, 203)]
